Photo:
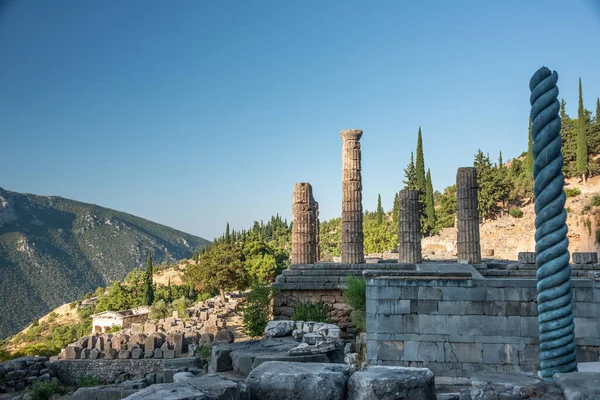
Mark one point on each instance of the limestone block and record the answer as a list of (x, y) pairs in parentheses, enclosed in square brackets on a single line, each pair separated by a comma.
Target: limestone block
[(100, 344), (526, 257), (579, 385), (585, 258), (305, 349), (92, 342), (94, 354), (150, 343), (168, 353), (178, 344), (209, 386), (137, 327), (207, 338), (311, 338), (110, 354), (149, 354), (512, 386), (379, 382), (158, 353), (225, 335), (137, 353), (308, 326), (279, 328), (85, 354), (277, 380), (149, 327), (73, 352), (124, 354)]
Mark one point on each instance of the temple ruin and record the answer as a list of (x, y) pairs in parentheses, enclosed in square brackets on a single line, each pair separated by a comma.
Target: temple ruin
[(455, 317)]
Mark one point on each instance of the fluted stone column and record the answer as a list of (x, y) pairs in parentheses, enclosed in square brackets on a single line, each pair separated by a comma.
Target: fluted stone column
[(317, 224), (304, 227), (409, 228), (352, 218), (467, 224)]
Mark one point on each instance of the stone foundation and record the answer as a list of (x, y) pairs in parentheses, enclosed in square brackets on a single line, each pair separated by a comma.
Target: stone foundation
[(451, 319)]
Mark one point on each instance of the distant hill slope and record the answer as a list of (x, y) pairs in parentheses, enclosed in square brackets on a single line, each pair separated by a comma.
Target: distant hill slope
[(54, 250)]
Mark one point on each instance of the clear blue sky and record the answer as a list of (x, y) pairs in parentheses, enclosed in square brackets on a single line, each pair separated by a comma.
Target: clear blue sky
[(195, 113)]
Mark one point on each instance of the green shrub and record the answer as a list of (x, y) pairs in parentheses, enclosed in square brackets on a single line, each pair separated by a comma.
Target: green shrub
[(256, 312), (572, 192), (597, 235), (43, 390), (114, 328), (203, 352), (356, 294), (309, 311), (515, 212), (88, 381), (359, 319), (588, 225), (586, 208), (356, 297), (204, 296), (52, 317), (159, 310), (180, 305), (595, 200)]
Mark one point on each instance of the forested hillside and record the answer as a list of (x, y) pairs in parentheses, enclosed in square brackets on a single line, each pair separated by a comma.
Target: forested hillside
[(54, 250)]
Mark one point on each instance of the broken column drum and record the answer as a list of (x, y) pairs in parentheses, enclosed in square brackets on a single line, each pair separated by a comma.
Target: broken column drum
[(467, 224), (409, 228), (352, 218), (304, 227)]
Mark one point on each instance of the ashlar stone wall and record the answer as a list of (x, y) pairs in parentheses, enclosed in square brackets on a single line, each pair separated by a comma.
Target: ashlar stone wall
[(454, 321)]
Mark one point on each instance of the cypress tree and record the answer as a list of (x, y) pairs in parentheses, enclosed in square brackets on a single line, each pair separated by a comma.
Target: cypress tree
[(420, 164), (421, 181), (169, 292), (396, 210), (429, 203), (227, 234), (529, 159), (148, 284), (411, 175), (500, 162), (582, 151), (379, 210)]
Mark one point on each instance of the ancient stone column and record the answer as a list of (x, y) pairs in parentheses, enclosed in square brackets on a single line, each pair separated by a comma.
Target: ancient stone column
[(304, 237), (352, 226), (317, 224), (409, 228), (467, 224)]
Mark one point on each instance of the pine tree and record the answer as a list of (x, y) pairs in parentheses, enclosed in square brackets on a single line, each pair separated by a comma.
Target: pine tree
[(582, 151), (148, 284), (396, 210), (227, 234), (529, 159), (429, 204), (411, 175), (379, 210)]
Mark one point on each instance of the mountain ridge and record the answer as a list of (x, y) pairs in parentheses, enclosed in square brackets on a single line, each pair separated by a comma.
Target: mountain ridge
[(54, 250)]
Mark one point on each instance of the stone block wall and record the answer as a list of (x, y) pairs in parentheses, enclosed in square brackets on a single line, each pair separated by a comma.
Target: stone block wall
[(458, 325), (285, 302), (67, 371)]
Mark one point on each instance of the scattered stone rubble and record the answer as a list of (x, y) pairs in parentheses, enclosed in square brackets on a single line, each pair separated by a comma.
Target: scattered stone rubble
[(21, 372), (172, 337)]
